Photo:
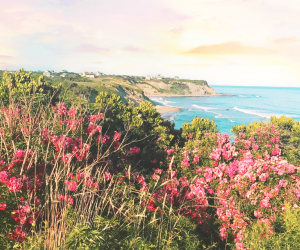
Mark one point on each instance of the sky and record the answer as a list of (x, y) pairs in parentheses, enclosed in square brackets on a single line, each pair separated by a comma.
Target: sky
[(225, 42)]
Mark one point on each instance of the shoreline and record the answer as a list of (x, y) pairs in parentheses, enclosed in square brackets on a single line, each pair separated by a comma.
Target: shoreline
[(166, 109), (171, 95)]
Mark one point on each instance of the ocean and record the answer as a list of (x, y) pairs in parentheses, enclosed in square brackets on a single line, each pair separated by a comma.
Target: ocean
[(249, 104)]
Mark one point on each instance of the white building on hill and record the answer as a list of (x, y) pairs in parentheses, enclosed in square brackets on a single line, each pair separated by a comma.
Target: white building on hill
[(159, 77), (88, 74), (47, 73), (176, 77), (148, 77)]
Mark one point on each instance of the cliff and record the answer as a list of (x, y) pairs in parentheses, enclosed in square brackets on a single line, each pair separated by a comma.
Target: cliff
[(172, 87), (131, 89)]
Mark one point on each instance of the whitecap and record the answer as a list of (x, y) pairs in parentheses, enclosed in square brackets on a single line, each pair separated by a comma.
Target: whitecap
[(256, 112), (208, 109)]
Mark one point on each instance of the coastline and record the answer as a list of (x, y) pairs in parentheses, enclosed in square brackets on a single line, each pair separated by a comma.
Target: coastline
[(166, 109), (172, 95)]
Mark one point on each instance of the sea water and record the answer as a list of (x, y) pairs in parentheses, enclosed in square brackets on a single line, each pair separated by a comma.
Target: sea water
[(247, 105)]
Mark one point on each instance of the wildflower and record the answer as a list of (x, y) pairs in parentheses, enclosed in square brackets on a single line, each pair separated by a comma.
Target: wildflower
[(155, 177), (2, 206), (255, 147), (14, 184), (135, 151), (107, 176), (158, 171), (4, 176), (72, 185), (117, 136), (276, 151)]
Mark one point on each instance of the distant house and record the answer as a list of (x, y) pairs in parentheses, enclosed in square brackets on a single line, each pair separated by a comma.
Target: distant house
[(54, 75), (47, 73), (159, 77), (73, 75), (63, 75), (88, 74), (98, 73), (148, 77), (176, 77)]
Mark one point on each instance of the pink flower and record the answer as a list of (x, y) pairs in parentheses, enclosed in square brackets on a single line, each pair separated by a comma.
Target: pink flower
[(117, 136), (264, 176), (272, 140), (276, 151), (196, 158), (158, 171), (283, 183), (3, 176), (14, 184), (155, 177), (207, 134), (79, 175), (107, 176), (257, 213), (242, 135), (159, 139), (267, 156), (190, 136), (255, 147), (265, 202), (2, 206), (72, 185), (135, 151), (67, 158), (71, 175), (170, 151)]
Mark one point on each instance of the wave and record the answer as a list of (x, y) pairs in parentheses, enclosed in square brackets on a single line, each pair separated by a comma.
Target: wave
[(208, 109), (242, 96), (257, 96), (255, 112), (231, 120)]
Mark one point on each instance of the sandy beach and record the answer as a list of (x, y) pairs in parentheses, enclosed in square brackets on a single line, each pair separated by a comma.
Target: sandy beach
[(166, 109)]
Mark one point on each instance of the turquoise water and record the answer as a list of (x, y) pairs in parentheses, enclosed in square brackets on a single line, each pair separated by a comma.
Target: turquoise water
[(249, 104)]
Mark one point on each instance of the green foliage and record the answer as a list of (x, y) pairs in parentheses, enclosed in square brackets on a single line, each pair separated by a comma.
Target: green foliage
[(286, 237), (142, 125), (23, 85), (199, 127)]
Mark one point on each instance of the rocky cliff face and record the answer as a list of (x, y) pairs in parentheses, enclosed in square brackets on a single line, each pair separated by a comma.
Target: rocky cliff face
[(176, 88)]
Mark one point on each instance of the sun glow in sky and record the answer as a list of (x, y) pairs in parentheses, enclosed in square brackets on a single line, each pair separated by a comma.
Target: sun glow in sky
[(226, 42)]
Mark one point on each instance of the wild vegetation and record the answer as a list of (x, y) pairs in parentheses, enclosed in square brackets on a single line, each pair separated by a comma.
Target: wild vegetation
[(97, 173)]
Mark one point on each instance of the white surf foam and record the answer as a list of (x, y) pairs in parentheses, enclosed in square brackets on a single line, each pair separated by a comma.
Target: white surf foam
[(208, 109), (256, 112)]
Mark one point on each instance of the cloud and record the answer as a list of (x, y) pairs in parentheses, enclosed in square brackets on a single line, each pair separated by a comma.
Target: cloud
[(5, 57), (63, 2), (285, 40), (98, 62), (90, 48), (190, 65), (228, 48), (134, 49)]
